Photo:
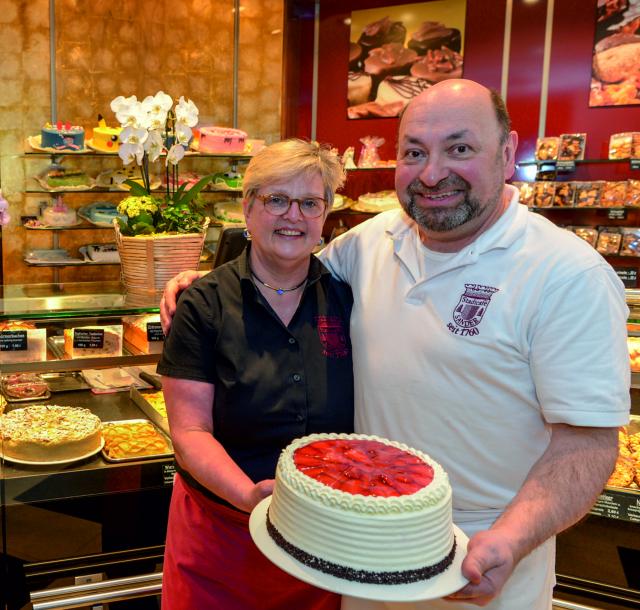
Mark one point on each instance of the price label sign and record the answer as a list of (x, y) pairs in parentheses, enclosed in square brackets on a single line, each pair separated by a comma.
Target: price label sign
[(566, 166), (84, 338), (168, 473), (617, 214), (628, 275), (154, 332), (13, 341), (635, 163), (624, 506)]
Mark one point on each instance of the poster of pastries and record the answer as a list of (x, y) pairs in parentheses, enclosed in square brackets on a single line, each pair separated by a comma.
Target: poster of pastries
[(615, 74), (399, 51)]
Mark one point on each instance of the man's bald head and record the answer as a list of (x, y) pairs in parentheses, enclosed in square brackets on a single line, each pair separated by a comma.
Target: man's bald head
[(462, 88)]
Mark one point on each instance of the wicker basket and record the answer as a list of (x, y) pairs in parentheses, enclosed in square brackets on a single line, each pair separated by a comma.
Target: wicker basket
[(150, 261)]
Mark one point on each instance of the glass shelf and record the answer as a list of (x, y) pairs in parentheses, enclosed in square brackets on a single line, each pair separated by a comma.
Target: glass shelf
[(95, 153), (576, 161)]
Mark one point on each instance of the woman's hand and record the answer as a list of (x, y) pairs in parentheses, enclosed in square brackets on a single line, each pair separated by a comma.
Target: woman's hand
[(261, 490)]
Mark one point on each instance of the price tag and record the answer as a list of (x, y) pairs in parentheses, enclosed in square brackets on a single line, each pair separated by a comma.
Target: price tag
[(13, 341), (628, 275), (84, 338), (617, 214), (154, 331), (635, 163), (621, 505), (566, 166), (168, 473)]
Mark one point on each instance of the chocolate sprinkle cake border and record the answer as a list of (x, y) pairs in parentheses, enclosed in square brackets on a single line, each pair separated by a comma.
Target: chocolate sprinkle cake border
[(363, 576)]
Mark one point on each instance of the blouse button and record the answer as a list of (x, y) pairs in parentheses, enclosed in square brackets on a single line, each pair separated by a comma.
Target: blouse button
[(297, 377), (292, 340)]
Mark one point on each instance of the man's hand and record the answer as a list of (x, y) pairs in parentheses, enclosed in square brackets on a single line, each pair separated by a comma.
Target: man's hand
[(488, 564), (173, 288)]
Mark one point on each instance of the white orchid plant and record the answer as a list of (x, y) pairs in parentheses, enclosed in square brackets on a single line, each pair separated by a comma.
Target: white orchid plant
[(150, 128)]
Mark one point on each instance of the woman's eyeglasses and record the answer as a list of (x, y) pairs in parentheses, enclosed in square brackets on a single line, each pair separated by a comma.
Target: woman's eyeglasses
[(276, 204)]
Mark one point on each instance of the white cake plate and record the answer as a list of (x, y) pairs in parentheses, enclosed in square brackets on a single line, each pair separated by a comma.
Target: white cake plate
[(443, 584)]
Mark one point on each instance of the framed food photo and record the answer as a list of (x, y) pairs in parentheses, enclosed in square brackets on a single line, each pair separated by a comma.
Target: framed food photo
[(615, 73), (397, 52)]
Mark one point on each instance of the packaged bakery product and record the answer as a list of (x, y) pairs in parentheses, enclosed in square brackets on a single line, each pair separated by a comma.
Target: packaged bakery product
[(630, 245), (22, 342), (609, 241), (588, 194), (620, 145), (613, 194), (547, 148), (93, 341), (589, 234), (543, 194), (526, 193), (572, 146), (144, 333), (633, 193), (564, 194)]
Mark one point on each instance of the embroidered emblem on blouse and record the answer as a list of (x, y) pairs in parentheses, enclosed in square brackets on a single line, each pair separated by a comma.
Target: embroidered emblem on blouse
[(332, 336), (471, 308)]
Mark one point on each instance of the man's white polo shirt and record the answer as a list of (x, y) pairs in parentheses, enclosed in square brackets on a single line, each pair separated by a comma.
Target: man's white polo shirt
[(471, 362)]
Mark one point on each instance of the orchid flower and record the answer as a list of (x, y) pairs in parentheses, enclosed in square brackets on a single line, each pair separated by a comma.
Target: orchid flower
[(133, 115), (175, 154), (133, 135), (122, 102), (131, 152), (186, 112), (183, 133), (153, 145)]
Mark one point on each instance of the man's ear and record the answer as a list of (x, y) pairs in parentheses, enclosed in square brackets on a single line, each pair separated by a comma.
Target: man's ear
[(509, 154)]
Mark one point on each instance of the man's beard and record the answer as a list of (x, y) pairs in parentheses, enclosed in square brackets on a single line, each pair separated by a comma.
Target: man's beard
[(441, 219)]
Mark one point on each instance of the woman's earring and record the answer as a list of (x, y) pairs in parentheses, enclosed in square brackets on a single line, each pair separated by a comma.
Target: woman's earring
[(321, 242), (246, 234)]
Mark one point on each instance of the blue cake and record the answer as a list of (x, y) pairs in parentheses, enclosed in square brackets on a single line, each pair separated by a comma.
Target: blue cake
[(62, 136)]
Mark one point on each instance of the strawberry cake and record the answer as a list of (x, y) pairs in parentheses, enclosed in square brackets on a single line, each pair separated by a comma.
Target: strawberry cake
[(362, 508)]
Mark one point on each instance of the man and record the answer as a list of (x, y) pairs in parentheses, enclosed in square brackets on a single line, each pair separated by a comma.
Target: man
[(488, 338)]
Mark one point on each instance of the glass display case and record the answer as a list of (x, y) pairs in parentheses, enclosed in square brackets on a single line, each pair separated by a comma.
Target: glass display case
[(90, 530)]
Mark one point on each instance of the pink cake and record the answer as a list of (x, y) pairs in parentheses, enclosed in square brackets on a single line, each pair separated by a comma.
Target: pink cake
[(221, 140), (58, 215)]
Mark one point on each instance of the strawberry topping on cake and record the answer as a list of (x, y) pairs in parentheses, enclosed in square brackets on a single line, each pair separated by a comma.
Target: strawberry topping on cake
[(365, 467)]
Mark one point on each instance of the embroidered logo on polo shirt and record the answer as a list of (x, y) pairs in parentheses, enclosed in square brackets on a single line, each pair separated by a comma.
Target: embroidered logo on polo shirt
[(332, 336), (470, 309)]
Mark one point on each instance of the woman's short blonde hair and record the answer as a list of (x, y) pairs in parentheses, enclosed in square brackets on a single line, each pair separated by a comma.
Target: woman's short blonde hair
[(289, 159)]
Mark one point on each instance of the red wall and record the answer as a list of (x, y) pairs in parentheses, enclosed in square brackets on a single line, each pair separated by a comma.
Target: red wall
[(569, 79)]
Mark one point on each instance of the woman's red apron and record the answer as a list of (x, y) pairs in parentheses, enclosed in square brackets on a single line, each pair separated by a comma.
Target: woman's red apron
[(211, 563)]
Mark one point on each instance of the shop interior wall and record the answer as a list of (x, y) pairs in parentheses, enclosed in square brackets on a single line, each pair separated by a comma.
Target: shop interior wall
[(567, 111), (106, 48)]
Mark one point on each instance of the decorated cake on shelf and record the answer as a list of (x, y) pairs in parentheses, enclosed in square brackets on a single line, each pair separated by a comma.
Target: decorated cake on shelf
[(45, 433), (221, 140), (362, 508), (93, 341), (58, 214), (62, 136), (100, 213), (105, 138), (60, 177)]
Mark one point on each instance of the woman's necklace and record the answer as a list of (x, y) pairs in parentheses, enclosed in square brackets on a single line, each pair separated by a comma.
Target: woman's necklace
[(278, 290)]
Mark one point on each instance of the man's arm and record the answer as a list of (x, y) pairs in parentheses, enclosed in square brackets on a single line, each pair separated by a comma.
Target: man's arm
[(172, 289), (559, 490)]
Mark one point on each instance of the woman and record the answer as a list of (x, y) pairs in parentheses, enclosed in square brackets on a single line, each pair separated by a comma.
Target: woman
[(258, 355)]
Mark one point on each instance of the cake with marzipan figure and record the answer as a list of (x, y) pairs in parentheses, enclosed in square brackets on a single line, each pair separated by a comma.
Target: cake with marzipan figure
[(362, 508)]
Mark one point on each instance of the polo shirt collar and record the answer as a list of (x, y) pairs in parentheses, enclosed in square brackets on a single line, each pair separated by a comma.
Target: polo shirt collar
[(403, 232)]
